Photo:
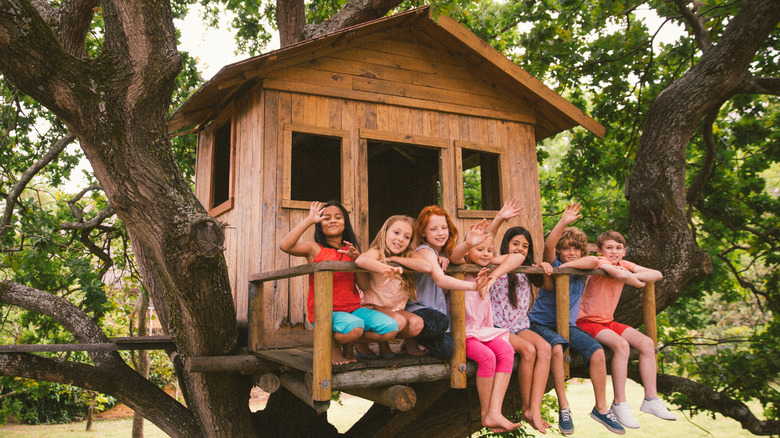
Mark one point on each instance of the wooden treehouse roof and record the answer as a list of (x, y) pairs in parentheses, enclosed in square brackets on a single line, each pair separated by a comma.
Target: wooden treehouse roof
[(552, 113)]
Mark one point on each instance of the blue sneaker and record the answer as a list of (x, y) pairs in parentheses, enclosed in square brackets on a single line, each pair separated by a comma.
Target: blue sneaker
[(564, 422), (608, 420)]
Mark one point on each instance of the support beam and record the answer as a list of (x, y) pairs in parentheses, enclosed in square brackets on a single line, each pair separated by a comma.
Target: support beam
[(323, 338), (398, 397), (458, 331), (562, 316), (245, 363), (268, 382), (300, 390), (648, 304)]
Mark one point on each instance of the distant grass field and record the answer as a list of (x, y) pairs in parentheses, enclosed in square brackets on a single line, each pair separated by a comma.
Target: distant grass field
[(352, 408)]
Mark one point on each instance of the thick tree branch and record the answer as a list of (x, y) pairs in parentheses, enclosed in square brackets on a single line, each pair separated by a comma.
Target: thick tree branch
[(758, 85), (117, 380), (354, 12), (28, 175), (83, 328), (74, 22), (696, 25)]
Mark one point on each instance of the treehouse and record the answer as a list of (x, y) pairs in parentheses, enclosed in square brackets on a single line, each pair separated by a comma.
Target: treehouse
[(388, 116)]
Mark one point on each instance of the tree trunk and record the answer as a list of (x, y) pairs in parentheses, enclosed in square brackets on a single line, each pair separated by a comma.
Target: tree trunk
[(659, 234)]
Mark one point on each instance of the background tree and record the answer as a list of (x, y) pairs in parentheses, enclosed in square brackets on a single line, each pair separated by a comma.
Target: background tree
[(107, 72)]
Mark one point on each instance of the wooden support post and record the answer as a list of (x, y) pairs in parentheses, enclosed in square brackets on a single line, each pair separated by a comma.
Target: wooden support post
[(300, 390), (458, 331), (648, 303), (398, 397), (268, 382), (562, 316), (323, 335), (255, 316)]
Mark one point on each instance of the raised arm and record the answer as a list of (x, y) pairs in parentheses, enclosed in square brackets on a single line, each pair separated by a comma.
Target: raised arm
[(570, 215), (511, 209), (474, 237), (291, 243)]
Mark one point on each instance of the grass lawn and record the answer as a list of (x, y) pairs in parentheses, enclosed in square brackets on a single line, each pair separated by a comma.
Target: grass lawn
[(352, 408)]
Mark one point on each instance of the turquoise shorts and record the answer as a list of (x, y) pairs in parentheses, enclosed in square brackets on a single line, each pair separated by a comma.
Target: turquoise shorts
[(369, 320)]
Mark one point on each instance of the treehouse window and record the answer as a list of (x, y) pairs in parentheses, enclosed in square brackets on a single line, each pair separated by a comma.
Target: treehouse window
[(221, 198), (315, 166), (479, 172)]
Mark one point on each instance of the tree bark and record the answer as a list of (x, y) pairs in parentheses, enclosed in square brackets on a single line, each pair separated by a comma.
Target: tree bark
[(659, 234), (117, 106)]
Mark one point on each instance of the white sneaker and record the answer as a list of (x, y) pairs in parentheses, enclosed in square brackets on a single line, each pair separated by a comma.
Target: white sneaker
[(656, 407), (623, 414)]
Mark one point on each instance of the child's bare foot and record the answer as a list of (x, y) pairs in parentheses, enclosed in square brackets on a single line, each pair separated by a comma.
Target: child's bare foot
[(536, 421), (411, 348), (337, 357), (498, 423), (384, 350), (348, 352)]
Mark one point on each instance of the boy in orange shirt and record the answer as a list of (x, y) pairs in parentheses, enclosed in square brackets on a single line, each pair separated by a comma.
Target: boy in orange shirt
[(599, 301)]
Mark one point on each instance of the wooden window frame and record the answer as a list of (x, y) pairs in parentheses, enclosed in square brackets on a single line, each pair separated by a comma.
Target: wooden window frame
[(225, 117), (287, 131), (459, 145)]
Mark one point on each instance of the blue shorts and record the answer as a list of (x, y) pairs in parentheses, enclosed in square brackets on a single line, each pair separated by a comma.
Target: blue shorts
[(579, 341), (369, 320)]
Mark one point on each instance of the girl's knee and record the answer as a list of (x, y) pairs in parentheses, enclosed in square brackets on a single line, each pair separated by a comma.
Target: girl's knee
[(415, 325), (349, 337), (543, 351), (527, 352), (556, 352)]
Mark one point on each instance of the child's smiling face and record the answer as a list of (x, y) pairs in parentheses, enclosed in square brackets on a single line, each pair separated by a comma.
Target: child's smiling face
[(332, 222), (437, 233), (518, 245), (569, 254), (398, 237), (481, 254), (613, 250)]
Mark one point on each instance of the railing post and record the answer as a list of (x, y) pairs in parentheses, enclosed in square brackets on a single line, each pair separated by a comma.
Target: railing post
[(323, 335), (648, 304), (255, 315), (562, 316), (458, 331)]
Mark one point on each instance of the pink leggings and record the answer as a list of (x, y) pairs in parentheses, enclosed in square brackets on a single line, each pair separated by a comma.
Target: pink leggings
[(493, 356)]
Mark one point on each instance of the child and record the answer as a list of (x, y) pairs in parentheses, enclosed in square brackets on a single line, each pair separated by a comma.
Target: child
[(437, 235), (511, 297), (596, 318), (390, 287), (334, 239), (570, 245), (489, 347)]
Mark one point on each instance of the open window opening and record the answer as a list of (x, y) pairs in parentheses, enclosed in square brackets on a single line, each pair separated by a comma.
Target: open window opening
[(315, 167), (402, 179), (481, 186), (221, 198)]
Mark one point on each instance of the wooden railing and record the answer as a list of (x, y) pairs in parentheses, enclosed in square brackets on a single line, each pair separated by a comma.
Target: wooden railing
[(323, 316)]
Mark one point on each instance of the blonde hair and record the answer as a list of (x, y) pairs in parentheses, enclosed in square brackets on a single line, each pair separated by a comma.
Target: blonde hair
[(380, 246)]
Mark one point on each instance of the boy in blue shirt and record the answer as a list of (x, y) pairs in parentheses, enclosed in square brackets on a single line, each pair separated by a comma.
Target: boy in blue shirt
[(567, 247)]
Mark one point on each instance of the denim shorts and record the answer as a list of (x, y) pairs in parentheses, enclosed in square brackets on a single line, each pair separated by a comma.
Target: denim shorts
[(369, 320), (580, 342)]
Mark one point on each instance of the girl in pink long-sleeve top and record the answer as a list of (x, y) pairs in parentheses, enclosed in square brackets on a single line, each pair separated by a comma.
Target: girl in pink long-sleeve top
[(489, 347)]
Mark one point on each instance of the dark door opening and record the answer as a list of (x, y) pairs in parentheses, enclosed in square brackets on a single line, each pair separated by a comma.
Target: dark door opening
[(402, 179)]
